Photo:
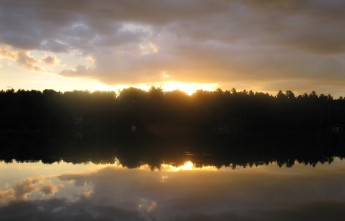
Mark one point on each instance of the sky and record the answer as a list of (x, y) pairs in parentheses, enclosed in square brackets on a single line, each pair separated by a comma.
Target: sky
[(259, 45)]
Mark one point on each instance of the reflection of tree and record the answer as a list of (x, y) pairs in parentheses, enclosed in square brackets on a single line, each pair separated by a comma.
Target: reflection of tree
[(134, 150)]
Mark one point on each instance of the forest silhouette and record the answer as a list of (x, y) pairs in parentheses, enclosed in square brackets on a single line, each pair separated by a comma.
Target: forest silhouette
[(221, 128)]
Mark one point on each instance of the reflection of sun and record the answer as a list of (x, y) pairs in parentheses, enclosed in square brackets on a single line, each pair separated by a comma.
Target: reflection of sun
[(187, 166)]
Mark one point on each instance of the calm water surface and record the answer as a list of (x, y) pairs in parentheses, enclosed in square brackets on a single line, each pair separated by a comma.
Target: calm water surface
[(65, 191)]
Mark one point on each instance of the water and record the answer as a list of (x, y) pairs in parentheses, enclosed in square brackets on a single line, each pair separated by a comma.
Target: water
[(88, 191)]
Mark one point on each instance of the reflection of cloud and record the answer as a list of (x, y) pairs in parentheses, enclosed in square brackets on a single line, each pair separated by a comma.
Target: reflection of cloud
[(61, 210), (49, 189), (21, 191), (299, 193), (6, 196), (147, 205), (246, 194), (243, 194), (87, 210), (323, 211)]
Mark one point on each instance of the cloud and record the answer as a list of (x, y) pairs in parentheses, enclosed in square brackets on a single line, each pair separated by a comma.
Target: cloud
[(50, 60), (80, 70), (7, 52), (24, 59), (199, 40)]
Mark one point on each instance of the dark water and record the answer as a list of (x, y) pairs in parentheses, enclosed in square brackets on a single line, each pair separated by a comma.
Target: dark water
[(179, 179)]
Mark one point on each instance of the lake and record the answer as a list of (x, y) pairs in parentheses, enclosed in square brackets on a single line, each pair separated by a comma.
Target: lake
[(172, 191)]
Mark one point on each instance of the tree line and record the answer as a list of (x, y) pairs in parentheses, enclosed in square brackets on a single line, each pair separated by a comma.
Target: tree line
[(168, 113)]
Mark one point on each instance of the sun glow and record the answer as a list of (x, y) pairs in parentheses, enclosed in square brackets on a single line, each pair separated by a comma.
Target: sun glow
[(188, 87)]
